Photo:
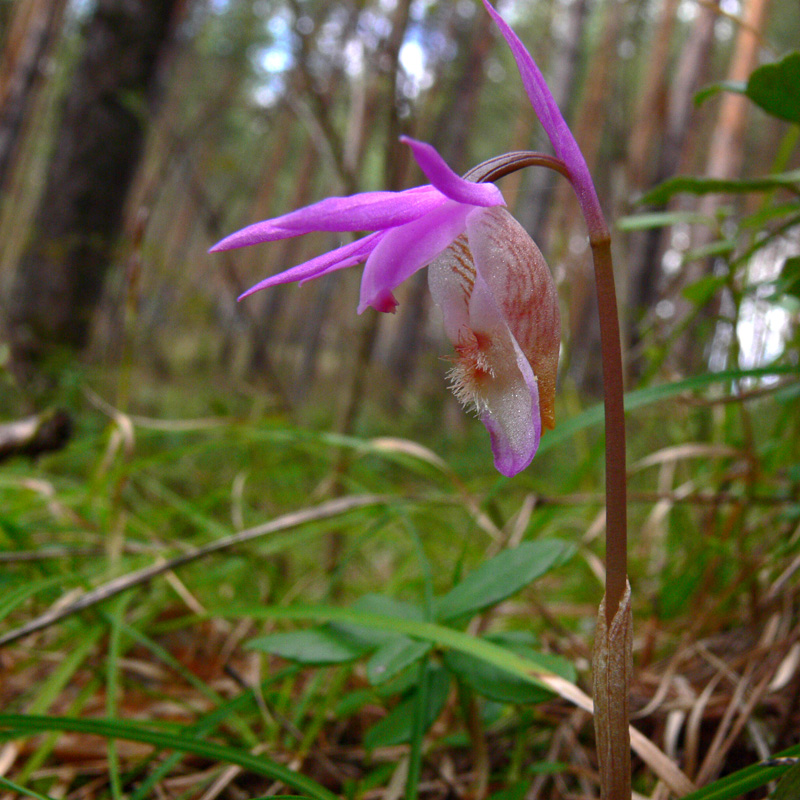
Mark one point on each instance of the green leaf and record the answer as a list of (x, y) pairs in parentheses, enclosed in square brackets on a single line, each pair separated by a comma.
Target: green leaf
[(715, 88), (18, 726), (383, 606), (663, 219), (702, 290), (440, 635), (758, 219), (789, 786), (316, 646), (776, 88), (738, 784), (655, 394), (501, 576), (395, 728), (514, 792), (393, 657), (720, 247), (22, 790), (788, 281), (689, 184), (498, 684)]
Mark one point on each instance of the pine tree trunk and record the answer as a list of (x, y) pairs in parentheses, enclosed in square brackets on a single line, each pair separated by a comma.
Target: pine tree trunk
[(646, 249), (725, 161), (31, 34), (59, 278)]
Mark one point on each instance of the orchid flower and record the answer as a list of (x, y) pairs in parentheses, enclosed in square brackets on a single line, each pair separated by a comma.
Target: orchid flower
[(495, 291)]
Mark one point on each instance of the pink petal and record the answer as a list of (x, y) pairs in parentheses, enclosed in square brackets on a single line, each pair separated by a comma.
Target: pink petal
[(346, 256), (556, 128), (543, 102), (451, 277), (406, 249), (447, 182), (367, 211)]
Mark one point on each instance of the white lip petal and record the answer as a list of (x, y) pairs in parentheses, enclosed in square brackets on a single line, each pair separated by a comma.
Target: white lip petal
[(491, 372)]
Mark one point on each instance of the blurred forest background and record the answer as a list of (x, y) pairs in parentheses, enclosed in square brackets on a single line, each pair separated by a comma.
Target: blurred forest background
[(134, 134)]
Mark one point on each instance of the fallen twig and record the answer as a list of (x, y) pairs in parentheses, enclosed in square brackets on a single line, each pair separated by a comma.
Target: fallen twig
[(114, 587)]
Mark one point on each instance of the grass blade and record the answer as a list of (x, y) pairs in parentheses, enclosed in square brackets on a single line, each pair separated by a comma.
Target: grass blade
[(22, 725)]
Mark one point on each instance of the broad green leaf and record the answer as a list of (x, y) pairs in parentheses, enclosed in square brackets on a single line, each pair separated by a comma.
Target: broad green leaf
[(776, 88), (393, 657), (384, 606), (351, 703), (395, 727), (690, 184), (788, 281), (501, 576), (498, 684), (701, 291), (441, 636), (317, 646)]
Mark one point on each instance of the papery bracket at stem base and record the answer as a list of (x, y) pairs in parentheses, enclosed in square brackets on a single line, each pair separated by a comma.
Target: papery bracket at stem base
[(612, 667)]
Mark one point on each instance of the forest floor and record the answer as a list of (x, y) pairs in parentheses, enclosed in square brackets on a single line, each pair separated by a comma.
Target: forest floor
[(202, 600)]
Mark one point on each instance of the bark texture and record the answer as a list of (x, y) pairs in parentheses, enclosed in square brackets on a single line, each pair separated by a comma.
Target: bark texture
[(59, 278), (726, 157), (22, 67)]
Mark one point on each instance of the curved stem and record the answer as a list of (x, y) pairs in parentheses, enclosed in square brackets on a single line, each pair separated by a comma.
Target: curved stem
[(500, 166)]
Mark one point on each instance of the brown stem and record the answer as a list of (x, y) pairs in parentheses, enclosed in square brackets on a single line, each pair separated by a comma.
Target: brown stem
[(500, 166), (616, 478)]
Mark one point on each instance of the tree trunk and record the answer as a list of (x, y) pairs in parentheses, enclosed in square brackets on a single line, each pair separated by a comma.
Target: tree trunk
[(646, 249), (31, 35), (59, 278), (725, 161)]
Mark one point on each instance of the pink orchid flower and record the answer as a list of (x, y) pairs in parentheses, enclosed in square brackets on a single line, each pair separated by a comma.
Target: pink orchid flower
[(495, 291)]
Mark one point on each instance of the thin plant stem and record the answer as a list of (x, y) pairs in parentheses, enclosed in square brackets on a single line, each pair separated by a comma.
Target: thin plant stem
[(423, 681), (418, 731), (612, 659), (613, 390)]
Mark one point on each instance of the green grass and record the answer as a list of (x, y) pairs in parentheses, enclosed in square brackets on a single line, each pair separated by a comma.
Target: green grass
[(169, 663)]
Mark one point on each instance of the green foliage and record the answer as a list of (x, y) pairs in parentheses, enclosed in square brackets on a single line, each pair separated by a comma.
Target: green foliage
[(390, 642), (701, 186), (392, 654), (772, 87), (776, 88)]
